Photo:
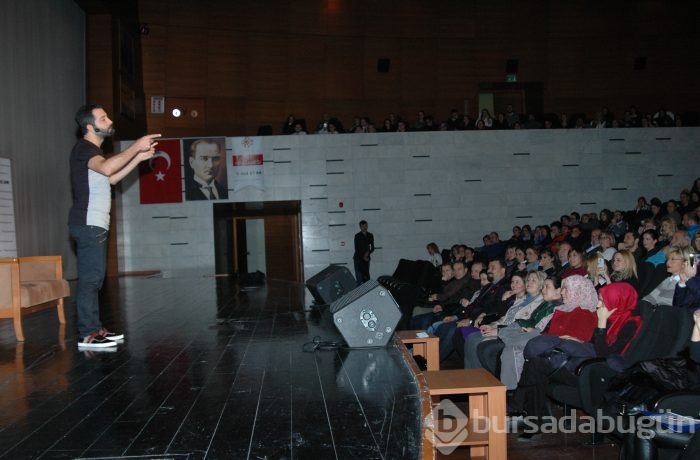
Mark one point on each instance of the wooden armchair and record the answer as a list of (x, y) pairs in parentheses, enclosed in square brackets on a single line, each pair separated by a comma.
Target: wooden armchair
[(30, 284)]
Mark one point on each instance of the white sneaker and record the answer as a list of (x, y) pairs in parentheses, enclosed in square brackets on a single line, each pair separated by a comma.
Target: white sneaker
[(96, 340)]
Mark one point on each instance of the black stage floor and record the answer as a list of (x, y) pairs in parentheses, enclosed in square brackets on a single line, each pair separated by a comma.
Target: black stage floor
[(207, 371)]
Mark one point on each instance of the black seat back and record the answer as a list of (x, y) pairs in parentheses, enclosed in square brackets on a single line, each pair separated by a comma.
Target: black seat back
[(665, 331)]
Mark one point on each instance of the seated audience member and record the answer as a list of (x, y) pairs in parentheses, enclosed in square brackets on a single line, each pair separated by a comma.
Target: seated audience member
[(563, 257), (454, 122), (574, 318), (576, 237), (532, 257), (469, 254), (616, 325), (690, 224), (510, 256), (547, 262), (524, 296), (520, 311), (680, 238), (639, 213), (624, 269), (434, 256), (617, 226), (485, 116), (520, 260), (473, 288), (687, 292), (362, 126), (508, 349), (607, 245), (299, 128), (386, 127), (457, 253), (494, 248), (288, 127), (604, 219), (594, 243), (558, 233), (668, 228), (696, 243), (447, 275), (630, 242), (500, 121), (447, 301), (595, 267), (484, 285), (575, 218), (672, 212), (664, 292), (526, 233), (653, 249), (652, 269), (490, 302), (587, 224), (577, 265), (655, 209), (517, 231), (542, 236)]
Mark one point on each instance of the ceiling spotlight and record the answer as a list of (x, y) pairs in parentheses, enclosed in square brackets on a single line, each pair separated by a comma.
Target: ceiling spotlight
[(177, 113)]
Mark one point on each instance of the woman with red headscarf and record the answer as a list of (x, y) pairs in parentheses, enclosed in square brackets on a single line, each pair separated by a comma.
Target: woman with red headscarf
[(617, 326), (617, 323)]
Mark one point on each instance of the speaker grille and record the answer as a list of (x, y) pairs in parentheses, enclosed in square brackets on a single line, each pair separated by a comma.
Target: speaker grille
[(356, 294), (367, 316)]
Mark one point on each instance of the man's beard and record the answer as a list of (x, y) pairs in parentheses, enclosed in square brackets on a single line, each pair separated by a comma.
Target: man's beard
[(103, 133)]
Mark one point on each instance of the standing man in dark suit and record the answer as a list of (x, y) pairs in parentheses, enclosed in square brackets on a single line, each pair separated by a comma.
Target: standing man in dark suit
[(364, 246), (205, 161)]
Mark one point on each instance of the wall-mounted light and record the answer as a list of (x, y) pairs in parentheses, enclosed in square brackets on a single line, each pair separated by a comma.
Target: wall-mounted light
[(177, 112)]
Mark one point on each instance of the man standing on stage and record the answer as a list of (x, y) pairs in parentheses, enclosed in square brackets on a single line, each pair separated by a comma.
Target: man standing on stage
[(92, 175), (364, 246)]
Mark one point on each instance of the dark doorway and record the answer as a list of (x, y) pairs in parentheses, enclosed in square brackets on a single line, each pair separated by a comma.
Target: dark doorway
[(243, 230)]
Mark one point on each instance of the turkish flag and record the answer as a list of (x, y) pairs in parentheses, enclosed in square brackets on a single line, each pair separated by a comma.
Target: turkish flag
[(160, 178)]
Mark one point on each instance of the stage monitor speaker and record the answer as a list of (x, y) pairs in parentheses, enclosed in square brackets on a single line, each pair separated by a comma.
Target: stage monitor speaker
[(366, 316), (331, 283)]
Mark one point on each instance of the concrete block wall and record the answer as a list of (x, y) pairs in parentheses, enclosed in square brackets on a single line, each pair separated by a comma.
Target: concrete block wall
[(414, 188)]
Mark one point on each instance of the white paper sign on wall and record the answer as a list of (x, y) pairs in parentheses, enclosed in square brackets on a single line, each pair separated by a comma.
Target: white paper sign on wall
[(8, 235)]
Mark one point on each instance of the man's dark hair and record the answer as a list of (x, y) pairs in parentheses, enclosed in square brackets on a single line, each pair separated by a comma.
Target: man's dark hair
[(501, 261), (651, 232), (363, 222), (84, 117), (459, 262)]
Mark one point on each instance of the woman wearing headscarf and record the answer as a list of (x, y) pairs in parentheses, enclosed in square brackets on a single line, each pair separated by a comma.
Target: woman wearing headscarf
[(574, 318), (616, 327)]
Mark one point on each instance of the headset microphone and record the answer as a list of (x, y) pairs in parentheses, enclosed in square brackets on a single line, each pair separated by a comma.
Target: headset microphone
[(103, 132)]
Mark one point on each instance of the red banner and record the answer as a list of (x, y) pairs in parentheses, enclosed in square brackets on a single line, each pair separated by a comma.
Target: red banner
[(160, 178)]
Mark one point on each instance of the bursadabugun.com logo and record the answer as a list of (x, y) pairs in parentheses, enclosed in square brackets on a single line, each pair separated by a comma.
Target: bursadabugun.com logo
[(447, 426)]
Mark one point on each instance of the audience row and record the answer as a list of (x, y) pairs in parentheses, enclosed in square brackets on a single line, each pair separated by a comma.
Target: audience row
[(509, 119), (532, 308)]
